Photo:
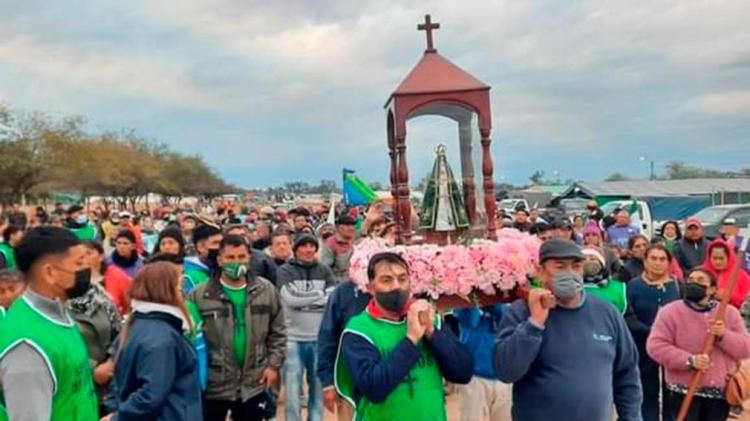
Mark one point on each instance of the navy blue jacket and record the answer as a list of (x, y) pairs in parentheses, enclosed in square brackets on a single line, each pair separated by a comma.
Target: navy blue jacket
[(574, 368), (156, 373), (644, 302), (345, 302), (376, 377)]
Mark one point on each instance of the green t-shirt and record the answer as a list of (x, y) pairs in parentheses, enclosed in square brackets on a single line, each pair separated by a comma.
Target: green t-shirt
[(238, 297), (86, 233)]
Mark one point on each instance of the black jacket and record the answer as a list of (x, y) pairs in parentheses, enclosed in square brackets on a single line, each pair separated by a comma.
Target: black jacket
[(262, 265), (345, 302), (156, 373), (690, 254)]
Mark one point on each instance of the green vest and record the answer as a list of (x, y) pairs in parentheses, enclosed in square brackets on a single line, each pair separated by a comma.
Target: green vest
[(419, 396), (86, 233), (194, 277), (9, 255), (62, 347), (614, 292)]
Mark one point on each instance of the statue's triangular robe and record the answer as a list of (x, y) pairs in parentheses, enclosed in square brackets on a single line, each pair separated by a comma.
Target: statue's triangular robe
[(443, 205)]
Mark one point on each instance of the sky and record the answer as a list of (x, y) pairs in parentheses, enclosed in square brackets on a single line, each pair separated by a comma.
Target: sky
[(269, 92)]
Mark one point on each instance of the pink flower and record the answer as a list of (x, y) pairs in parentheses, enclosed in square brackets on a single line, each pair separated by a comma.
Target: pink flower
[(458, 270)]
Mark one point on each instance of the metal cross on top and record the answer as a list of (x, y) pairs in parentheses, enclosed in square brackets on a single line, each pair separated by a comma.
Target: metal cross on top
[(428, 26)]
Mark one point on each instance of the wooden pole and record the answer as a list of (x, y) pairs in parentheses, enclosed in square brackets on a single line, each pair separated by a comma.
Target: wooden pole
[(710, 338)]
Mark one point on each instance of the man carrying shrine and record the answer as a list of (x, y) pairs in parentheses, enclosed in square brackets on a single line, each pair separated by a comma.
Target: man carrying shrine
[(395, 354), (568, 354)]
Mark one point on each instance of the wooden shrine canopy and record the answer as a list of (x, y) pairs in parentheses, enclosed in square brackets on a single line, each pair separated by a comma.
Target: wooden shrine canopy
[(435, 86)]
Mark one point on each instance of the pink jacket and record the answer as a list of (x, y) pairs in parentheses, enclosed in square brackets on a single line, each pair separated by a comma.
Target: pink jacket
[(680, 332)]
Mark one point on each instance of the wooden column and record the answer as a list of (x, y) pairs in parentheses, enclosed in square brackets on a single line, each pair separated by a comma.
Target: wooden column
[(404, 204), (467, 170), (394, 184), (488, 183)]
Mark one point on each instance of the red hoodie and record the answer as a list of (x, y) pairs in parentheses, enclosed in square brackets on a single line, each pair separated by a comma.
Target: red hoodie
[(742, 287), (117, 283)]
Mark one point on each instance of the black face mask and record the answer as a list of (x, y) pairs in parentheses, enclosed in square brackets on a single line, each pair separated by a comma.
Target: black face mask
[(81, 285), (394, 300), (212, 260), (595, 274), (695, 292)]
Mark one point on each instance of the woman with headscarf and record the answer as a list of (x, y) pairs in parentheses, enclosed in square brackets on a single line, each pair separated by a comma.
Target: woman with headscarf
[(156, 372), (720, 261), (98, 320)]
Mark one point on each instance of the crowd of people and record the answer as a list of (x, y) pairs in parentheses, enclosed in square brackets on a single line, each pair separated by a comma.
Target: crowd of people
[(218, 310)]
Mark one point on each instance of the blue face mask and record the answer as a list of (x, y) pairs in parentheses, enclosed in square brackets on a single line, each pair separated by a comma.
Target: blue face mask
[(82, 219)]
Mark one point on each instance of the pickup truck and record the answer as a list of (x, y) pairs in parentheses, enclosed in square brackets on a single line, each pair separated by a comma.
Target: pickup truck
[(510, 206), (653, 211)]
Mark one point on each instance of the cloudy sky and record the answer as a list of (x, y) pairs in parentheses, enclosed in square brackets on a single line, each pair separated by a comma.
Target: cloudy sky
[(273, 91)]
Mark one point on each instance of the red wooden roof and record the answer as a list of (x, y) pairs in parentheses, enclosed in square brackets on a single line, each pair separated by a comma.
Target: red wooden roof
[(435, 73)]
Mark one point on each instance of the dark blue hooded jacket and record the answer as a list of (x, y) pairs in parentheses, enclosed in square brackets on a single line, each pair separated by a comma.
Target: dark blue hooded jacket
[(156, 373)]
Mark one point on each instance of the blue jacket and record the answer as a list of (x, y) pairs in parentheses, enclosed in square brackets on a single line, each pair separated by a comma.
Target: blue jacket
[(580, 366), (345, 302), (156, 373), (478, 329)]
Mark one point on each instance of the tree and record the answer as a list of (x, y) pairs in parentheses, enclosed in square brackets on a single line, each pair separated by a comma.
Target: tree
[(617, 177), (678, 170), (537, 177), (28, 154), (41, 155)]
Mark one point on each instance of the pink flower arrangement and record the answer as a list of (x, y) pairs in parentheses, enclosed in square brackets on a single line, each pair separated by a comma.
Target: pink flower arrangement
[(484, 266)]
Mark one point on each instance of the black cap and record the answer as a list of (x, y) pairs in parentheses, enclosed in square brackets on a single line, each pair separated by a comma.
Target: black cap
[(203, 231), (74, 209), (557, 248), (304, 239)]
